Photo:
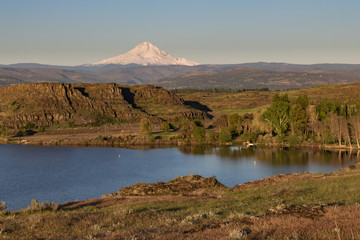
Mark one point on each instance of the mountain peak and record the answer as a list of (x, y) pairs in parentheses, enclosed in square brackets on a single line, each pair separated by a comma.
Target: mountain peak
[(146, 53), (147, 45)]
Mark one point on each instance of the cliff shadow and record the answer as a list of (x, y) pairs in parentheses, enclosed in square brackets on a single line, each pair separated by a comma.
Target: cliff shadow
[(82, 91), (25, 133), (128, 96), (200, 107)]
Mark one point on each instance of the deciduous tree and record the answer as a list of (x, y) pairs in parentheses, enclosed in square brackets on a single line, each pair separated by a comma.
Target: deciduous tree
[(146, 126), (277, 115)]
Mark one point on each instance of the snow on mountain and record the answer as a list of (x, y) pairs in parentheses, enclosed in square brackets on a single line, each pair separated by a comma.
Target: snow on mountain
[(146, 54)]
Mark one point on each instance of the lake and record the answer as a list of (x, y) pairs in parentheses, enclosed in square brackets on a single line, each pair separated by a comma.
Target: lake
[(61, 174)]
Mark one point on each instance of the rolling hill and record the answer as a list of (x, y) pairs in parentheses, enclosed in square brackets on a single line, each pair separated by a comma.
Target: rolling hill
[(246, 78)]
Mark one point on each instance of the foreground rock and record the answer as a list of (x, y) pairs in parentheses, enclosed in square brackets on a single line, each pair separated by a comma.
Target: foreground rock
[(191, 184)]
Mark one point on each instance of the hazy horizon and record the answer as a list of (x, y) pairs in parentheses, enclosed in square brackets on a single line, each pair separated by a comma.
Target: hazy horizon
[(208, 32)]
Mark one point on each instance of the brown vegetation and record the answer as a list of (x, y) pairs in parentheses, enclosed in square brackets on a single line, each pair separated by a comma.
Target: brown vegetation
[(193, 207)]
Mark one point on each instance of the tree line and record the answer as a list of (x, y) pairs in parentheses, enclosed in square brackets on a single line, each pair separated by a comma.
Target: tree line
[(288, 122), (215, 90)]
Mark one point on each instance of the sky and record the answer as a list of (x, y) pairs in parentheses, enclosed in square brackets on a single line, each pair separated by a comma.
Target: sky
[(74, 32)]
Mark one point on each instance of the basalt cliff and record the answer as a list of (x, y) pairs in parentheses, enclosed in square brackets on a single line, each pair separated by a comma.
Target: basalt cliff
[(45, 104)]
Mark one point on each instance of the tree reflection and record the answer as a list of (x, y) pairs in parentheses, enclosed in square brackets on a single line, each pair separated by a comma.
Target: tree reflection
[(277, 156)]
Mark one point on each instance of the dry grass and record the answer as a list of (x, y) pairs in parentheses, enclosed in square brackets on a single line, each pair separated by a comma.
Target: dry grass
[(310, 206)]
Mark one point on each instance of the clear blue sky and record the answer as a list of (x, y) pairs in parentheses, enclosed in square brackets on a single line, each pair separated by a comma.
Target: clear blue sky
[(71, 32)]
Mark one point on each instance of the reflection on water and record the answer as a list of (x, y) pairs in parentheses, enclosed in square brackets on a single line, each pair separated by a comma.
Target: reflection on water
[(276, 156), (61, 174)]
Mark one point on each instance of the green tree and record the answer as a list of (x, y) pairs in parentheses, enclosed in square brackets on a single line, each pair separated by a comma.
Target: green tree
[(278, 114), (225, 135), (325, 107), (146, 126), (186, 129), (199, 134), (234, 122), (298, 119)]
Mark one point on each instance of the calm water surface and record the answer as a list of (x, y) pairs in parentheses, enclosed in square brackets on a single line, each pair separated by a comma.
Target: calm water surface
[(61, 174)]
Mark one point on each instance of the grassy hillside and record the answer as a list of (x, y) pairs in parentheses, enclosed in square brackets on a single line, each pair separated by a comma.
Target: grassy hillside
[(254, 101)]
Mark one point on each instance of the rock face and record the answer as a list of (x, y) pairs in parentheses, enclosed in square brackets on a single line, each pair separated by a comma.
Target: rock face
[(44, 104), (190, 184)]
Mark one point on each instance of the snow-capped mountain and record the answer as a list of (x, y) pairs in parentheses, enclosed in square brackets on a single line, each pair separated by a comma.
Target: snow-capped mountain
[(146, 54)]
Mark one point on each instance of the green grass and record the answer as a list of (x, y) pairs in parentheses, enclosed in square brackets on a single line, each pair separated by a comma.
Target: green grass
[(332, 190)]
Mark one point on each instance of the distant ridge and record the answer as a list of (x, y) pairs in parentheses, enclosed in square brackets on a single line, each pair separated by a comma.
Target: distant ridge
[(146, 54)]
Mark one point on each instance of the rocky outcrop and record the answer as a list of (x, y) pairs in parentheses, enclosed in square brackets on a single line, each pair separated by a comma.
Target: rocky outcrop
[(44, 104), (191, 184)]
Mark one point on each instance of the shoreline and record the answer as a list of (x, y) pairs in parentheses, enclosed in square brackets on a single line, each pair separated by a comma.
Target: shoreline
[(147, 189), (141, 141), (194, 207)]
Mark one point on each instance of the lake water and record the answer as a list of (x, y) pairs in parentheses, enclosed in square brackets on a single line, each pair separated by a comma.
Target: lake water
[(61, 174)]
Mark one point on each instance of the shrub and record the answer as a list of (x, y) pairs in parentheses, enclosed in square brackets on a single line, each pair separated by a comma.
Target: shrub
[(151, 138), (29, 125), (165, 126), (3, 131), (293, 140), (199, 134), (39, 206), (210, 136), (249, 136), (2, 207)]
